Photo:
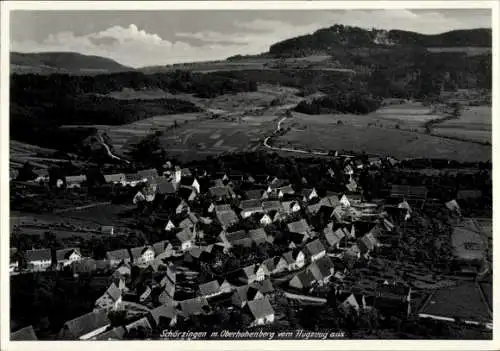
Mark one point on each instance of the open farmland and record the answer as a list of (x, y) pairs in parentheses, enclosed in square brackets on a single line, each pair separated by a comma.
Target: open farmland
[(408, 116), (212, 137), (382, 141), (475, 123)]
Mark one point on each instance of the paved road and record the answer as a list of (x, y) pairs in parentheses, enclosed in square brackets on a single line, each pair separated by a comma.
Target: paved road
[(110, 154)]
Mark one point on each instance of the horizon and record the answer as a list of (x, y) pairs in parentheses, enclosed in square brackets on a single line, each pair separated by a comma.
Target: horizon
[(174, 37)]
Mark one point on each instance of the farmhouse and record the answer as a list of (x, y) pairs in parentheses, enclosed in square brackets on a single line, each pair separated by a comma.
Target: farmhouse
[(85, 327), (117, 178), (295, 259), (38, 260), (290, 207), (118, 256), (262, 311), (110, 297), (24, 334), (142, 254), (67, 256), (186, 238), (75, 181), (249, 207), (314, 250)]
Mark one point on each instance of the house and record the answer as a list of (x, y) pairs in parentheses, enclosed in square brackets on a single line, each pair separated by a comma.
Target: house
[(65, 257), (117, 333), (351, 255), (255, 194), (330, 201), (139, 197), (262, 311), (164, 186), (187, 194), (294, 259), (249, 273), (275, 264), (368, 243), (187, 238), (348, 170), (227, 218), (142, 323), (333, 237), (142, 254), (192, 307), (209, 289), (354, 199), (191, 182), (85, 327), (243, 294), (189, 222), (108, 230), (258, 235), (265, 220), (75, 181), (39, 259), (110, 298), (163, 316), (290, 207), (170, 225), (118, 256), (300, 227), (147, 175), (375, 162), (249, 207), (221, 193), (161, 247), (237, 238), (182, 206), (344, 201), (322, 269), (24, 334), (453, 206), (314, 250), (117, 178), (302, 280), (349, 301), (268, 206), (133, 179), (282, 191), (308, 194)]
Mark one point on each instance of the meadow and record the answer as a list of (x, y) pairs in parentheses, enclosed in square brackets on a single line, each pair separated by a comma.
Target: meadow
[(474, 123)]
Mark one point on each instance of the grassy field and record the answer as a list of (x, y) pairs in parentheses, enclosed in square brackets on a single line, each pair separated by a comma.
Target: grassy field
[(407, 116), (212, 137), (469, 50), (475, 123), (382, 141)]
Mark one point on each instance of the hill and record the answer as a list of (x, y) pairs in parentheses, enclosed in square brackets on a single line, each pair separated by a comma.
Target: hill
[(63, 62), (338, 36)]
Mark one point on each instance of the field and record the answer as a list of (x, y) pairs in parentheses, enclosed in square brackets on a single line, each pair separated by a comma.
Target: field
[(22, 152), (469, 50), (463, 301), (407, 116), (212, 137), (381, 141), (475, 123)]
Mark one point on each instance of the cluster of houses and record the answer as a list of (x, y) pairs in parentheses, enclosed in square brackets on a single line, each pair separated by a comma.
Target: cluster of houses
[(312, 256)]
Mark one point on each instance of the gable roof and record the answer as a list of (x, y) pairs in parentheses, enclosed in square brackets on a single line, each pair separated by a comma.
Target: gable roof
[(305, 278), (250, 205), (291, 256), (148, 173), (114, 292), (271, 263), (160, 246), (321, 268), (223, 207), (193, 306), (333, 237), (253, 194), (271, 205), (208, 288), (38, 255), (239, 237), (163, 186), (314, 247), (24, 334), (88, 322), (288, 205), (165, 311), (227, 218), (330, 201), (116, 178), (300, 227), (220, 191), (185, 235), (63, 254), (136, 252), (264, 286), (258, 235), (369, 241), (260, 308)]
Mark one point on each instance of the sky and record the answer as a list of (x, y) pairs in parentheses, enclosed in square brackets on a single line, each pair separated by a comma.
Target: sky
[(146, 38)]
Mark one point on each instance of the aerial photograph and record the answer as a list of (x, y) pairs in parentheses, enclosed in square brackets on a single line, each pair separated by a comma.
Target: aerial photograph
[(250, 174)]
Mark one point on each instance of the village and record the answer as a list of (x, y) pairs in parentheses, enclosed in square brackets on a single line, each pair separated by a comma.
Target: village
[(240, 251)]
